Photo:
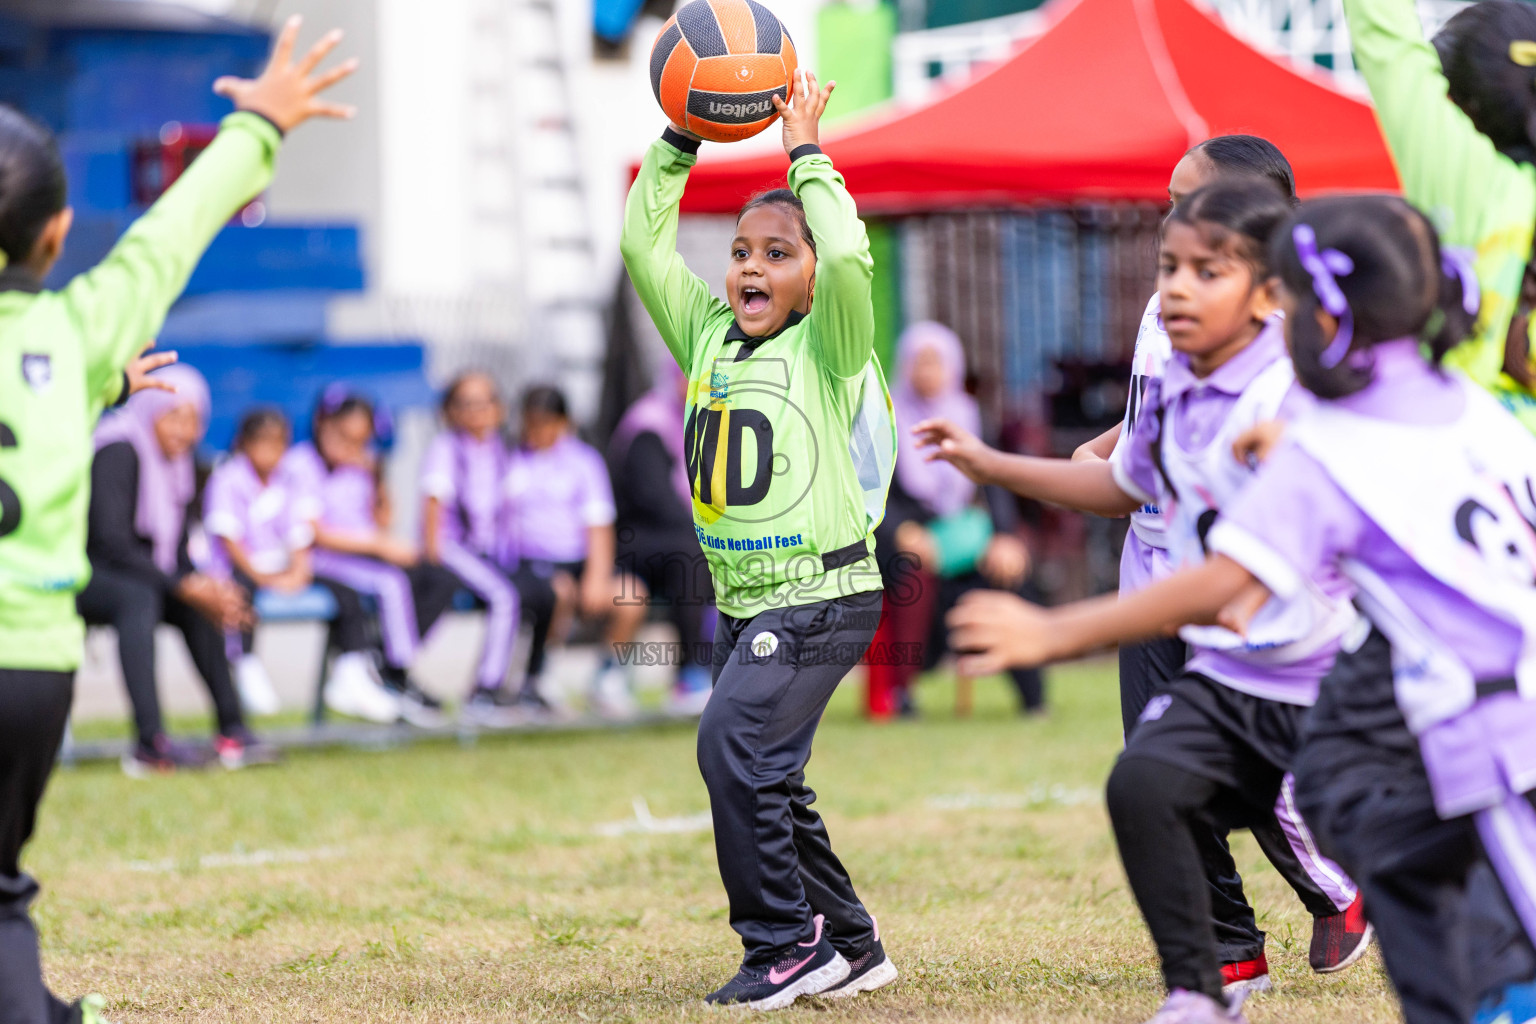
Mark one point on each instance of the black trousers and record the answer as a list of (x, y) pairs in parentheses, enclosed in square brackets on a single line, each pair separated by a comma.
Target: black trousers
[(537, 596), (1447, 933), (1209, 759), (34, 708), (754, 741), (134, 608), (677, 576), (1146, 668), (1029, 683)]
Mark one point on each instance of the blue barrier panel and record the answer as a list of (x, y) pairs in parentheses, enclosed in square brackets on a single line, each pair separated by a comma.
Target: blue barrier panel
[(291, 378), (273, 257)]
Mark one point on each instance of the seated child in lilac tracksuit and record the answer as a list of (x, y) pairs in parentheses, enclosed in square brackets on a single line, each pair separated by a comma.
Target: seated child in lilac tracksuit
[(464, 530), (337, 480)]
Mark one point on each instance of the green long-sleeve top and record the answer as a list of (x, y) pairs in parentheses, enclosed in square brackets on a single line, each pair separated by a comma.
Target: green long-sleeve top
[(62, 355), (789, 438), (1478, 198)]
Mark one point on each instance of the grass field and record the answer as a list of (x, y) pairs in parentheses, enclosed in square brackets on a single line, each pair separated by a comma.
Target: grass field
[(495, 882)]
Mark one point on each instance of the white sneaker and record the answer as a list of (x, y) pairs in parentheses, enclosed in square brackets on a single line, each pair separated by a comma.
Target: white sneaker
[(257, 694), (610, 694), (352, 690)]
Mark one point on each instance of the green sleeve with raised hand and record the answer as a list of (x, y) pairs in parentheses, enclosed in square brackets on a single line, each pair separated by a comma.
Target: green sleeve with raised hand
[(842, 319), (1478, 198), (679, 302)]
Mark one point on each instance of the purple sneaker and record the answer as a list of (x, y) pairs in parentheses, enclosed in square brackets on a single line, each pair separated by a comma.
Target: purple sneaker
[(807, 969), (1184, 1007)]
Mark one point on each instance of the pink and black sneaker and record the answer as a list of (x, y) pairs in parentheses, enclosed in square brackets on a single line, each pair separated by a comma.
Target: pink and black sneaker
[(807, 969), (868, 971)]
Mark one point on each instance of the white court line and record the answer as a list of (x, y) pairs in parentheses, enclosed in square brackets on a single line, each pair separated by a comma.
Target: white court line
[(645, 823), (237, 859), (1040, 796)]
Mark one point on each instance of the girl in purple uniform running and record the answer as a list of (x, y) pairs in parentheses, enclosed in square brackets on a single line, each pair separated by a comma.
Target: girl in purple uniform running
[(1217, 742), (1419, 489)]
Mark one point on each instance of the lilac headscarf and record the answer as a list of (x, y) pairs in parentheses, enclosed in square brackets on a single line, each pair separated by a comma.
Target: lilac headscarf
[(940, 487), (166, 486), (658, 412)]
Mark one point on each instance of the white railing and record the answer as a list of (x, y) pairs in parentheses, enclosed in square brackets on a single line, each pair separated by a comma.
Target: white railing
[(1313, 32), (1309, 32), (956, 50)]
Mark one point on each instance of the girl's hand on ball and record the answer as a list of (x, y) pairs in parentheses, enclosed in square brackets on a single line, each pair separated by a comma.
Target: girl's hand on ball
[(285, 93), (802, 117), (685, 133)]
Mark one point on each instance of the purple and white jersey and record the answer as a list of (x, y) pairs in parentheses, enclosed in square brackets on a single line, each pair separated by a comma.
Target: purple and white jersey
[(258, 515), (553, 497), (343, 498), (465, 475), (1148, 361), (1181, 456), (1422, 490)]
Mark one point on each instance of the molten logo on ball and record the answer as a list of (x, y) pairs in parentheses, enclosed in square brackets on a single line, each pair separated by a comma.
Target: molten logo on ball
[(716, 64)]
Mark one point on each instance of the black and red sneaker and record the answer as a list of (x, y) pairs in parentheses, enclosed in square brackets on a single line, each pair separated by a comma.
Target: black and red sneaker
[(867, 971), (1245, 978), (805, 970), (1339, 940)]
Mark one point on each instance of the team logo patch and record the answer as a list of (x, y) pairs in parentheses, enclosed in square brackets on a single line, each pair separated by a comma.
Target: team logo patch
[(1156, 708), (764, 644), (36, 370)]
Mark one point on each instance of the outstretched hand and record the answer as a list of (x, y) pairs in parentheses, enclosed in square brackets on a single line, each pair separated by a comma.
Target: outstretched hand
[(285, 93), (140, 371), (944, 439), (802, 115), (992, 631)]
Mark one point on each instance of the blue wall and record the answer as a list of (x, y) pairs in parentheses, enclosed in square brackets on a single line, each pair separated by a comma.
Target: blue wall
[(254, 316)]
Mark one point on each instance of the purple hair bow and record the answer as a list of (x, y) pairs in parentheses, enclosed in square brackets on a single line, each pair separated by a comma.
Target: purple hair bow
[(1457, 262), (1326, 268)]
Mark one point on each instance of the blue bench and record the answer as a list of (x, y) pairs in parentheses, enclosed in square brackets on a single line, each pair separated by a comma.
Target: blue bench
[(315, 604)]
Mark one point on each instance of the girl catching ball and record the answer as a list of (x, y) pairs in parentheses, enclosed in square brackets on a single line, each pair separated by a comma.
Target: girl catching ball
[(790, 445)]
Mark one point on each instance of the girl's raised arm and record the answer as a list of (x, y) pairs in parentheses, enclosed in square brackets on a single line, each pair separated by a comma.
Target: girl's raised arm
[(1448, 168), (842, 320), (125, 298), (679, 302)]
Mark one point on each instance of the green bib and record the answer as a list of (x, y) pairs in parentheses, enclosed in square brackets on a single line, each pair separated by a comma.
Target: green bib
[(789, 467)]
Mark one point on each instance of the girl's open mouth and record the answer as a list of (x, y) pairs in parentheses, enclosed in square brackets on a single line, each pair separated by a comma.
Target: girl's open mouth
[(753, 301)]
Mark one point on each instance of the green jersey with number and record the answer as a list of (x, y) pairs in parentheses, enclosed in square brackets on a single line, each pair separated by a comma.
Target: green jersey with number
[(790, 439), (62, 356)]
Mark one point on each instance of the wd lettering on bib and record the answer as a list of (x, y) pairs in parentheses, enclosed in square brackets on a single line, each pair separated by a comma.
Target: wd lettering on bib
[(777, 465)]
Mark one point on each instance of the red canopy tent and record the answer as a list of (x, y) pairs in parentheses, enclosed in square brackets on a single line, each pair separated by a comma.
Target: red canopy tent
[(1101, 105)]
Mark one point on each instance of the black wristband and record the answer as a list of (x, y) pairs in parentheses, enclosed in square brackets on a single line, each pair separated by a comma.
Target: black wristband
[(679, 141), (275, 126), (122, 398), (809, 149)]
